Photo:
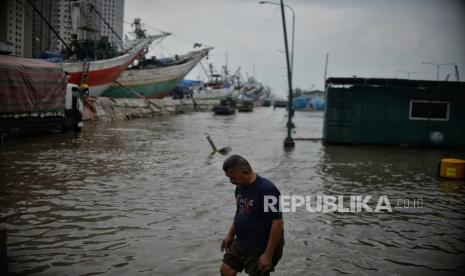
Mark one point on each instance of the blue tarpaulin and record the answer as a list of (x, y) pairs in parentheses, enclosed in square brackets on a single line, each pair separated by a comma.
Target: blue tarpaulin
[(317, 103), (300, 102), (188, 83)]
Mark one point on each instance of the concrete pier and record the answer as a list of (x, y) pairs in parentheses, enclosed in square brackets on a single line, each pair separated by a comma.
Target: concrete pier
[(109, 109)]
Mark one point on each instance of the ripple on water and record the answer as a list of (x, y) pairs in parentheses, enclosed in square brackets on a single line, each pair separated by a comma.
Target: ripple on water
[(147, 197)]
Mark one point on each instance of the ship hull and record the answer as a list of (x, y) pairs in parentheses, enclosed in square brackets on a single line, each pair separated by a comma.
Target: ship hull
[(102, 73), (214, 94), (155, 90), (155, 82)]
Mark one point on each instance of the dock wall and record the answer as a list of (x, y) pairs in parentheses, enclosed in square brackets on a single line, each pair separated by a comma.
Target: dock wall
[(108, 109)]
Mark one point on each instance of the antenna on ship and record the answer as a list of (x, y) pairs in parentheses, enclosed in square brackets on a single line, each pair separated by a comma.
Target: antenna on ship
[(204, 70)]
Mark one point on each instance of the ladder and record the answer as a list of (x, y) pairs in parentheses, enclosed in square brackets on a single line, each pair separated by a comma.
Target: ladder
[(84, 73)]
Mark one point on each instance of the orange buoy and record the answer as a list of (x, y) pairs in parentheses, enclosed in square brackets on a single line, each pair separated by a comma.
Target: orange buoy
[(452, 168)]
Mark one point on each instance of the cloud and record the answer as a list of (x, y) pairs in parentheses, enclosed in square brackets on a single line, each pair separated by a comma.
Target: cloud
[(363, 37)]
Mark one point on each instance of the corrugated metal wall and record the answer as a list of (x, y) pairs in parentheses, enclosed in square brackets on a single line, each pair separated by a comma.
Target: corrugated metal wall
[(380, 115)]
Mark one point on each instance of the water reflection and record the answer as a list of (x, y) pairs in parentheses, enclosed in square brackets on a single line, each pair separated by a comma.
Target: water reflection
[(147, 197)]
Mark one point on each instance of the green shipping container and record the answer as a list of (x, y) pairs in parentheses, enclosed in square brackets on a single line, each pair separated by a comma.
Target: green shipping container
[(394, 112)]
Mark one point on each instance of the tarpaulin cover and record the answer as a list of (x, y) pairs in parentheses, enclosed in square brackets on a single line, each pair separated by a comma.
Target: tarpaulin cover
[(188, 83), (300, 102), (317, 103), (30, 86)]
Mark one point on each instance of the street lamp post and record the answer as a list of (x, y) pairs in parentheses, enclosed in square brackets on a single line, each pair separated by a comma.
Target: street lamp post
[(437, 66), (288, 142), (293, 28)]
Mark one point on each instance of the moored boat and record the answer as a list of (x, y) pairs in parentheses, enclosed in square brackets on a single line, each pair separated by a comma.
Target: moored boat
[(266, 102), (100, 74), (280, 103), (227, 107), (154, 78), (210, 93), (218, 87), (252, 89), (245, 105), (89, 59)]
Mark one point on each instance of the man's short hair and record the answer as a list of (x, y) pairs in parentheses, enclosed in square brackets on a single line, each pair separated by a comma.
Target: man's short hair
[(236, 162)]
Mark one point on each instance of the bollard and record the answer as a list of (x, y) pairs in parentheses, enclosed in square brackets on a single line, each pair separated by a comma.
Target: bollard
[(3, 251)]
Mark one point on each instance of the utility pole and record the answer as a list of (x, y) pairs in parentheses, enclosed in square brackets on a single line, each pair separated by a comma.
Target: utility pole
[(438, 65), (288, 142), (326, 69)]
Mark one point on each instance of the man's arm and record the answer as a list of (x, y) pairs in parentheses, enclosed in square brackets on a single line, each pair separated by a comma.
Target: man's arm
[(228, 239), (265, 260)]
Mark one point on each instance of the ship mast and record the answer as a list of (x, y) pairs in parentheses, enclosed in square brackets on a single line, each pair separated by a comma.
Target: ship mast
[(140, 33), (457, 77)]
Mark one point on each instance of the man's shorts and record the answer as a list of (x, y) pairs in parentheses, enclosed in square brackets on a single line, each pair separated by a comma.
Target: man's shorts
[(240, 258)]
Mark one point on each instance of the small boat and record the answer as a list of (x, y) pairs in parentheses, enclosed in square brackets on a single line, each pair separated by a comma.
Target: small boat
[(227, 107), (155, 78), (266, 102), (280, 103), (218, 87), (245, 105)]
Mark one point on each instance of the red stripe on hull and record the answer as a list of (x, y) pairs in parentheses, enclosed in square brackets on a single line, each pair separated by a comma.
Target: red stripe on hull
[(102, 76), (99, 77)]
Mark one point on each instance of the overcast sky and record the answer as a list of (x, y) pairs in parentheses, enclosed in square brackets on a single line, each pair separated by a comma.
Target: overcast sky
[(366, 38)]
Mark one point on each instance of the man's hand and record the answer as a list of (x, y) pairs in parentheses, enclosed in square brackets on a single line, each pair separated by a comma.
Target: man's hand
[(226, 243), (264, 263)]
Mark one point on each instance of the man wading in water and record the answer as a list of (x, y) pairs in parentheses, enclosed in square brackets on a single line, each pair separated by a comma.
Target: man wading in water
[(255, 240)]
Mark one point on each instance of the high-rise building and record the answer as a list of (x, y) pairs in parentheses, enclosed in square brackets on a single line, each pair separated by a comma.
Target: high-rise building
[(27, 33), (79, 17), (16, 26), (43, 38), (113, 13)]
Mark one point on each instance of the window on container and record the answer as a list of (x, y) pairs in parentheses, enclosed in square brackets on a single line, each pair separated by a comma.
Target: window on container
[(429, 110)]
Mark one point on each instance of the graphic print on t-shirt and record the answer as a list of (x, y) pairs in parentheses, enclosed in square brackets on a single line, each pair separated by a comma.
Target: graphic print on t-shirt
[(244, 205)]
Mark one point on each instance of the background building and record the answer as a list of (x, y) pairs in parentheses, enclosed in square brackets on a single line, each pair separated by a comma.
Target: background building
[(43, 39), (89, 24), (79, 18), (16, 26), (26, 33), (113, 12)]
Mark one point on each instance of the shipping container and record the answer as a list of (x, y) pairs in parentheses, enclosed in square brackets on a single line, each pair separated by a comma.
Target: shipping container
[(394, 112)]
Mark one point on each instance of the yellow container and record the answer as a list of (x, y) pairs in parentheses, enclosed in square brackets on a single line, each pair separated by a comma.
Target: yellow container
[(452, 168)]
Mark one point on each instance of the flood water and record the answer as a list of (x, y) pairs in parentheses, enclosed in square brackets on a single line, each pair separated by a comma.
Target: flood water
[(146, 197)]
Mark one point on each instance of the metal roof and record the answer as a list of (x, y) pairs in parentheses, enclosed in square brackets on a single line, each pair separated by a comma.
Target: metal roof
[(394, 82)]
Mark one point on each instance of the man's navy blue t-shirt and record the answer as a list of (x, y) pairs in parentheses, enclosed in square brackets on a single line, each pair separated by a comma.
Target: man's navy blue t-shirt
[(251, 223)]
